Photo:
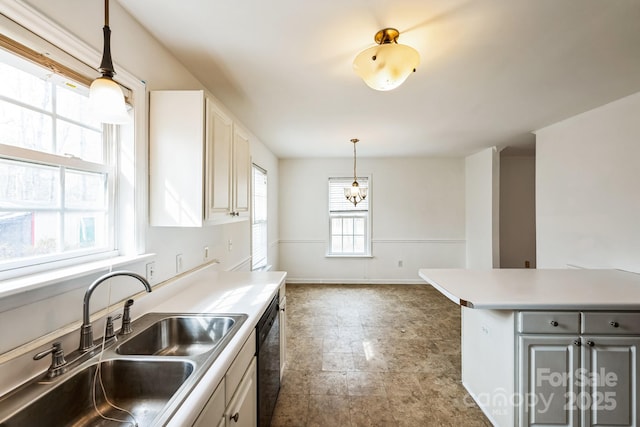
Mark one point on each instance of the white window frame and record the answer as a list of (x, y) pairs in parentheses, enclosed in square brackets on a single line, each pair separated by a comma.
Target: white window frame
[(131, 185), (259, 263), (366, 180)]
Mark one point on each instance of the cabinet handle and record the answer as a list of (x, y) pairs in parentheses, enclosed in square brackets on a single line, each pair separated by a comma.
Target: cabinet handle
[(553, 323), (590, 343), (235, 417), (614, 324), (577, 343)]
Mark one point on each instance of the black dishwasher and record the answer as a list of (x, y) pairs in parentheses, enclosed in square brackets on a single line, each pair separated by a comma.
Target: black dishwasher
[(268, 348)]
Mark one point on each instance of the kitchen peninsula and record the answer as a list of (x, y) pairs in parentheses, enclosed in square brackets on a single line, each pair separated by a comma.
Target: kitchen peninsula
[(548, 347)]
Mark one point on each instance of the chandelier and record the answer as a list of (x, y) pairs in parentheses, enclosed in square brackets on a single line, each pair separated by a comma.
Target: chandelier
[(355, 194)]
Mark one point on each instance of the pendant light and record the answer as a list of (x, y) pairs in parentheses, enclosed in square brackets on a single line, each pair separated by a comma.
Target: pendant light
[(106, 100), (355, 194), (388, 64)]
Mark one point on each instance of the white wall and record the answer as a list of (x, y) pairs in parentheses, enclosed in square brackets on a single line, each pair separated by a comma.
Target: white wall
[(588, 189), (417, 217), (137, 52), (517, 210), (482, 174)]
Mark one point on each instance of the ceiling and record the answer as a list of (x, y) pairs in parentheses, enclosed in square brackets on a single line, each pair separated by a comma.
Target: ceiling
[(491, 72)]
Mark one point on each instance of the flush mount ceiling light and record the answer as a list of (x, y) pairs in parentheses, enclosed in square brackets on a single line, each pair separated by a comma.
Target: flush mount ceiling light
[(106, 99), (387, 65), (355, 194)]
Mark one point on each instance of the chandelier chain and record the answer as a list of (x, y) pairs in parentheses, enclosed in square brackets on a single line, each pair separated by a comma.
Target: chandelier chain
[(354, 162)]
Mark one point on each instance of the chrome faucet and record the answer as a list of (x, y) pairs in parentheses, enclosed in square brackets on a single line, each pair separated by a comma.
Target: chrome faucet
[(86, 331), (58, 364)]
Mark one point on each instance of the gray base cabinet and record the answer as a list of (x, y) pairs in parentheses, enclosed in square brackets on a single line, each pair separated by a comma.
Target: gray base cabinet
[(610, 394), (548, 366), (578, 369)]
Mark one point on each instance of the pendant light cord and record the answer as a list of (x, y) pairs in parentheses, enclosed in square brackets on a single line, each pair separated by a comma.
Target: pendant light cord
[(106, 13)]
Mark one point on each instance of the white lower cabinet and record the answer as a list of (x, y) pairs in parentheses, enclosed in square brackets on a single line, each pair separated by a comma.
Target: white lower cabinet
[(213, 412), (242, 410), (574, 378), (234, 403)]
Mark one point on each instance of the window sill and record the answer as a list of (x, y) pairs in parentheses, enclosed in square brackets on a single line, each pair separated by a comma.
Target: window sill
[(14, 291), (348, 256)]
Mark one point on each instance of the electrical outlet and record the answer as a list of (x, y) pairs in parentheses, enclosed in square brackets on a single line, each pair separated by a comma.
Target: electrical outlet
[(179, 266), (400, 263), (230, 245), (151, 269), (206, 253)]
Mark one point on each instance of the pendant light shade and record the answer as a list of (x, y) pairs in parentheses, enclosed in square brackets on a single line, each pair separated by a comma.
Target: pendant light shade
[(387, 65), (106, 99)]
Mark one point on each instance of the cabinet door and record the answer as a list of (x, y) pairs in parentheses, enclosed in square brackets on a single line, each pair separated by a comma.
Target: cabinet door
[(176, 158), (241, 171), (547, 380), (243, 408), (219, 146), (213, 411), (610, 381)]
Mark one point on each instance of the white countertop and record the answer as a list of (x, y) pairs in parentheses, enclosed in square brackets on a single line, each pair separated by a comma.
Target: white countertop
[(208, 291), (201, 291), (537, 289)]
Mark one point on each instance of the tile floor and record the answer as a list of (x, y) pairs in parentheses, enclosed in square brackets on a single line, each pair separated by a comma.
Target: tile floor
[(373, 355)]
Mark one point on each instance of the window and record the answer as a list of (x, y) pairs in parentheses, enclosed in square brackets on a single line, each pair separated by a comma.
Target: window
[(259, 242), (349, 225), (56, 168)]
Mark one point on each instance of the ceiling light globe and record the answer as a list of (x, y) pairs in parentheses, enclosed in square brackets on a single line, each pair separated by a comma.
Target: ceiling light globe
[(106, 101), (386, 66)]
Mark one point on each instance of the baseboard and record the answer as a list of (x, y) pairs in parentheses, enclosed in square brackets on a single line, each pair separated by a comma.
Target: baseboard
[(356, 281)]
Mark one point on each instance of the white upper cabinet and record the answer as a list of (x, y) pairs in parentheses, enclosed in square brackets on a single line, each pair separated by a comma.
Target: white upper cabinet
[(227, 168), (198, 162), (176, 158), (241, 172), (219, 166)]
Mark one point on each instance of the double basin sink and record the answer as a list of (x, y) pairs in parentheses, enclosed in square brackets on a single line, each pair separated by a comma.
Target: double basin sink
[(148, 373)]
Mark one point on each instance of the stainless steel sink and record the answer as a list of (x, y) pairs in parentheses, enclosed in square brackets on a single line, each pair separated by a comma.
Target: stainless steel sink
[(179, 336), (142, 387), (149, 373)]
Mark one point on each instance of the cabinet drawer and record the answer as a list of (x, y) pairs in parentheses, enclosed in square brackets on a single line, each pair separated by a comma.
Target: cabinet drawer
[(239, 366), (548, 322), (611, 323)]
